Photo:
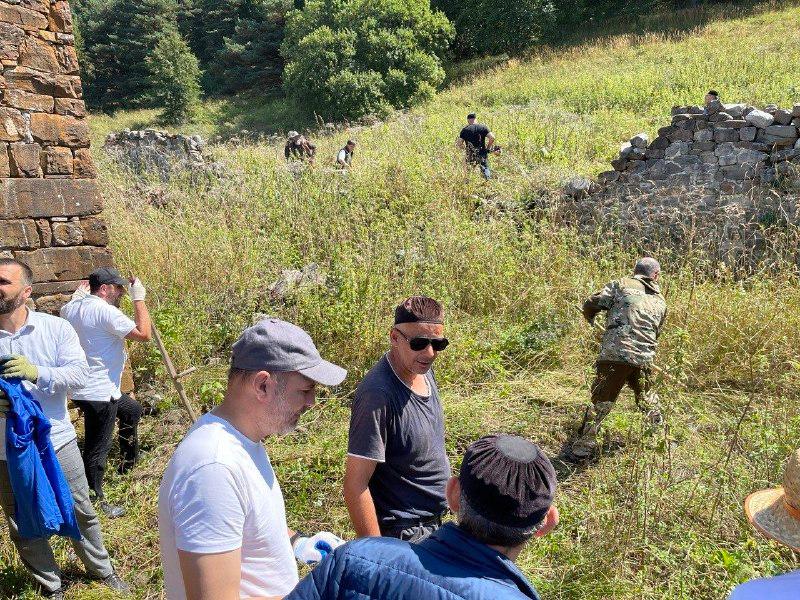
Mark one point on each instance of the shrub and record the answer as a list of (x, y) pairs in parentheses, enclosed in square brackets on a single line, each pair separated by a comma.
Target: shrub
[(174, 76), (346, 59)]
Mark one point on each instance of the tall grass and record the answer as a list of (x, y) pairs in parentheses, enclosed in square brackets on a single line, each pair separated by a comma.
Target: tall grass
[(659, 516)]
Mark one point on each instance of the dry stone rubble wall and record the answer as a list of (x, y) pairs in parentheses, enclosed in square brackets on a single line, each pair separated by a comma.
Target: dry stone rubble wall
[(718, 176)]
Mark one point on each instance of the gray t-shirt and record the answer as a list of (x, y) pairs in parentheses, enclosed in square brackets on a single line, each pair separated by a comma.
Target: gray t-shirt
[(404, 432)]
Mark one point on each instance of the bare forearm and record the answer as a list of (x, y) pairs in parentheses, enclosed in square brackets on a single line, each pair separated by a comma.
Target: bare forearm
[(362, 511), (141, 316)]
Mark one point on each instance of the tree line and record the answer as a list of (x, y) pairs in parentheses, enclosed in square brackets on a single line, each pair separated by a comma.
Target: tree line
[(340, 59)]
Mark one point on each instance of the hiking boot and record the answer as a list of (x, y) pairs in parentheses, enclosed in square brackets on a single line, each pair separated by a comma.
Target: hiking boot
[(578, 453), (116, 583), (111, 511)]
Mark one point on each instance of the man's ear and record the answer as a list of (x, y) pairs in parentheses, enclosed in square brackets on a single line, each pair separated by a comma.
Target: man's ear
[(453, 494), (261, 384), (550, 522)]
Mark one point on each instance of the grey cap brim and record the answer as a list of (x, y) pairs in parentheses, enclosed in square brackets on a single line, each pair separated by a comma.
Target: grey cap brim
[(325, 373)]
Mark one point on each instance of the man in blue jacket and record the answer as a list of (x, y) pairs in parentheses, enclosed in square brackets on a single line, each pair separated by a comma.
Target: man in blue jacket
[(503, 498)]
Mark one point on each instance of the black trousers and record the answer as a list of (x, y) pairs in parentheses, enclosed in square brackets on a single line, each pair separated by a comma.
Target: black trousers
[(99, 418)]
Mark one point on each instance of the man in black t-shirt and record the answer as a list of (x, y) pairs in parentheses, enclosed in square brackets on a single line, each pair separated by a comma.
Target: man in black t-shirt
[(478, 140), (397, 466)]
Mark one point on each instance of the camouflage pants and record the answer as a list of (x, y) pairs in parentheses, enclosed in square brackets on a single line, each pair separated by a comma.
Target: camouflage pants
[(609, 380)]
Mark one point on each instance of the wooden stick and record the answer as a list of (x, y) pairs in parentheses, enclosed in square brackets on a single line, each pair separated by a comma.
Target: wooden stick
[(173, 374)]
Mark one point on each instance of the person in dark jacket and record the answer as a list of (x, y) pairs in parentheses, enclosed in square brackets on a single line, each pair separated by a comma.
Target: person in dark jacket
[(503, 498)]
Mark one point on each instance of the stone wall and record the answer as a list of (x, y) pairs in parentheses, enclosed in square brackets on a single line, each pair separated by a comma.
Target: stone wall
[(725, 178), (49, 202)]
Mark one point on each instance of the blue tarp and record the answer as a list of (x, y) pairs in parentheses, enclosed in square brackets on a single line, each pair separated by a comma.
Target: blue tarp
[(43, 501)]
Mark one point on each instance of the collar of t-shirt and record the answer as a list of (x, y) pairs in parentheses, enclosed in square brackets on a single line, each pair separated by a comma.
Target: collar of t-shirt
[(427, 383)]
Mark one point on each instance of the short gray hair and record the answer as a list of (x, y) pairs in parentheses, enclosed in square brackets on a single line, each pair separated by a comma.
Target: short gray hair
[(491, 533), (647, 266)]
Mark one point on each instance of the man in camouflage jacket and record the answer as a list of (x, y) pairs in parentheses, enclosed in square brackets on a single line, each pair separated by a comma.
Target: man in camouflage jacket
[(636, 311)]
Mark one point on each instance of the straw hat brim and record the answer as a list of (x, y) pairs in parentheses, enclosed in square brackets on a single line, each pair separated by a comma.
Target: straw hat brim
[(768, 513)]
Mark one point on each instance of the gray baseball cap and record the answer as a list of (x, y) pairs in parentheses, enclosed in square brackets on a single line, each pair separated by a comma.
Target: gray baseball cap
[(275, 345)]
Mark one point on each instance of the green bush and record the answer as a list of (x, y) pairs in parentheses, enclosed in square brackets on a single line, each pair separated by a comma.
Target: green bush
[(175, 76), (346, 59)]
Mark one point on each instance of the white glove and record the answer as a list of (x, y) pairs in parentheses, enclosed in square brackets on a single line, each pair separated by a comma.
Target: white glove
[(81, 291), (136, 290), (311, 550)]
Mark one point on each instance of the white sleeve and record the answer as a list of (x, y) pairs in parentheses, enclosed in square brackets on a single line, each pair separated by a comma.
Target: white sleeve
[(208, 511), (341, 156), (117, 322)]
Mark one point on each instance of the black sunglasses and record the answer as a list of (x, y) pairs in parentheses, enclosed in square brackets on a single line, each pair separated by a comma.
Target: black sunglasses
[(420, 343)]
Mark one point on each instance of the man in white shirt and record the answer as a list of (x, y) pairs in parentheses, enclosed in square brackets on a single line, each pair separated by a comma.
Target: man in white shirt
[(102, 329), (44, 352), (345, 156), (775, 512), (221, 515)]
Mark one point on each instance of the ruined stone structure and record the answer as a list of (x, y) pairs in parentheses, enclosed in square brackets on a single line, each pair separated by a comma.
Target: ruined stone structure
[(49, 202), (725, 178)]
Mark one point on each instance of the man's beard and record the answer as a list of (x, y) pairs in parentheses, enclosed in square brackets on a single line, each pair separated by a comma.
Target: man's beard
[(9, 305)]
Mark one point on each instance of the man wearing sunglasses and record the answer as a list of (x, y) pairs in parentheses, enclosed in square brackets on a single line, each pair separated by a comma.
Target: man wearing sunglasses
[(397, 467)]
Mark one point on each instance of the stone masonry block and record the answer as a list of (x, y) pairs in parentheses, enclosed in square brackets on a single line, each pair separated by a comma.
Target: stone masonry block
[(748, 134), (70, 106), (30, 80), (19, 234), (51, 304), (45, 233), (55, 287), (67, 234), (12, 125), (84, 165), (65, 264), (5, 167), (38, 54), (67, 59), (60, 130), (95, 231), (37, 198), (57, 160), (27, 101), (11, 38), (59, 17), (25, 18), (24, 160)]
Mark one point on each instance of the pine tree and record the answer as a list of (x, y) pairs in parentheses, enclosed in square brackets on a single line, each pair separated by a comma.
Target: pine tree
[(175, 75)]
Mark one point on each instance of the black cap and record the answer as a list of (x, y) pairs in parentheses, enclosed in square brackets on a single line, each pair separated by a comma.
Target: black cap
[(508, 480), (471, 116), (106, 275)]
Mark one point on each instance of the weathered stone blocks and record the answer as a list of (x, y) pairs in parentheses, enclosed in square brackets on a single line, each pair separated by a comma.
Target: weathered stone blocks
[(24, 160), (21, 198), (57, 160), (59, 130), (19, 233), (65, 264)]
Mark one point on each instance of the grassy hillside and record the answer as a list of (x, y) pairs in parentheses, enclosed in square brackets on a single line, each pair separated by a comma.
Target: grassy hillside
[(659, 516)]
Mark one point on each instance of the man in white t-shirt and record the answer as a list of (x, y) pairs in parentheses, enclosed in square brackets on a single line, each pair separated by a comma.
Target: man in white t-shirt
[(775, 512), (102, 329), (221, 516)]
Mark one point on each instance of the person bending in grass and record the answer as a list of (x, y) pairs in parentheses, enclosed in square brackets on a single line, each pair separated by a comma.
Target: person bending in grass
[(636, 311), (397, 467), (503, 498), (298, 147), (221, 516)]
